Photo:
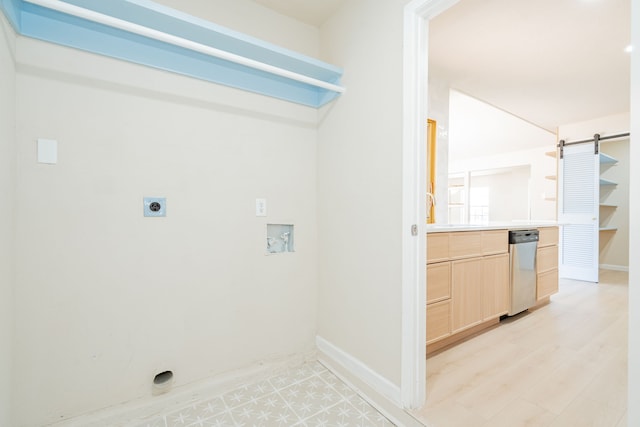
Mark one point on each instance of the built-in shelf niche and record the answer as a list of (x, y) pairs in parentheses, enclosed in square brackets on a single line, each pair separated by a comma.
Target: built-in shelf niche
[(606, 161)]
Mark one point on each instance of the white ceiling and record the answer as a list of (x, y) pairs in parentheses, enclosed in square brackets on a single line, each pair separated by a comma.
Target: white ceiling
[(550, 62)]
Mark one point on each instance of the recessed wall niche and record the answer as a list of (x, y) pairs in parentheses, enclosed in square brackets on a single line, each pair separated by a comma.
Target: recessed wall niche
[(280, 238)]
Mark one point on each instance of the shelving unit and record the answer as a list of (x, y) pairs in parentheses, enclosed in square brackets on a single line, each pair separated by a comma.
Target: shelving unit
[(607, 182), (608, 161), (156, 36), (604, 159), (553, 178)]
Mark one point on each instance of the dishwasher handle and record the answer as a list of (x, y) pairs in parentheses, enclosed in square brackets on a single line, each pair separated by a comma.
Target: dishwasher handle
[(523, 236)]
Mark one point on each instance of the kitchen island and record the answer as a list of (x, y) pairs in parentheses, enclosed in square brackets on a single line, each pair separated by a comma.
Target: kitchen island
[(468, 276)]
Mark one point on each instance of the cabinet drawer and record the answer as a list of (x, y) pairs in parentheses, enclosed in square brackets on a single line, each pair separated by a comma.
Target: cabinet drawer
[(547, 283), (548, 236), (495, 242), (437, 247), (438, 321), (438, 282), (547, 258), (465, 244)]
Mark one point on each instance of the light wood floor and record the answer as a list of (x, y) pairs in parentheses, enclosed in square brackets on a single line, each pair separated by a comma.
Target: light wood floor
[(564, 364)]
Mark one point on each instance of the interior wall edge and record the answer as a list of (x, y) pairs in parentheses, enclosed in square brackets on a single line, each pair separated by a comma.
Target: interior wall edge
[(359, 369), (633, 409)]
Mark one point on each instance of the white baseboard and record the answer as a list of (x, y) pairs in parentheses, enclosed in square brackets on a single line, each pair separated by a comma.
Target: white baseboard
[(358, 369), (615, 267)]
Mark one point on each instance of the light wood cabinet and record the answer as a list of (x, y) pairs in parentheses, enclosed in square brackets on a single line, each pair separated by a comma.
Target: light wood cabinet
[(467, 282), (548, 236), (438, 321), (495, 242), (547, 258), (495, 282), (547, 263), (465, 244), (547, 283), (437, 247), (439, 279), (466, 293)]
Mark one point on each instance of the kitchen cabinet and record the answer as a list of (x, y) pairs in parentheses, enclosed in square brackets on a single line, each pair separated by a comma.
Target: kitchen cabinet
[(495, 282), (467, 282), (438, 321), (438, 301), (466, 293), (547, 263), (479, 290)]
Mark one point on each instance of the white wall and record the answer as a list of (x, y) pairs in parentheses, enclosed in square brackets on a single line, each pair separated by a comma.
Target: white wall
[(614, 246), (360, 187), (250, 18), (541, 165), (478, 129), (484, 137), (106, 299), (633, 418), (7, 185), (508, 198)]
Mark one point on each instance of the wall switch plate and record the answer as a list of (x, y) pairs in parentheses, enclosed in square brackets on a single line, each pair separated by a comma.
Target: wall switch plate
[(155, 206), (47, 151), (261, 207)]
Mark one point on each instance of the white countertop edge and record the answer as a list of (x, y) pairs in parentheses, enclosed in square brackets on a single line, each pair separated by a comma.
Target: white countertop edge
[(513, 225)]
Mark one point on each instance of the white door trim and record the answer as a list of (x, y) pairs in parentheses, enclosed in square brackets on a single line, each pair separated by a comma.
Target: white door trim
[(415, 64)]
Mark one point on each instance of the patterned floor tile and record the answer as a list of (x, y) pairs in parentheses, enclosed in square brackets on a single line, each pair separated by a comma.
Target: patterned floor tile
[(221, 420), (269, 411), (211, 407), (155, 422), (308, 395), (183, 417)]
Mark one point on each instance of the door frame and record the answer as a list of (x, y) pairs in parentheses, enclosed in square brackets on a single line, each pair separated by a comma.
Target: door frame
[(415, 84), (413, 381)]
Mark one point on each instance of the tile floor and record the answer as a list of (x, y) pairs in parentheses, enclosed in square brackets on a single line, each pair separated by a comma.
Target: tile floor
[(305, 396)]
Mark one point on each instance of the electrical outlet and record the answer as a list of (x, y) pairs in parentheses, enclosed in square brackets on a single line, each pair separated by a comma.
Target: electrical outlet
[(155, 206)]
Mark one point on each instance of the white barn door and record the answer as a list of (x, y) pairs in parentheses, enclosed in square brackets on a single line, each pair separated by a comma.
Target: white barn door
[(578, 211)]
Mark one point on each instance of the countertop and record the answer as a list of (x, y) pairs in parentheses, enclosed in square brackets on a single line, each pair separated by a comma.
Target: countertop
[(498, 225)]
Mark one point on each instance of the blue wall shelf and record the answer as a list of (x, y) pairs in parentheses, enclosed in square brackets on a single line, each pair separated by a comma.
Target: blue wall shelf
[(146, 33)]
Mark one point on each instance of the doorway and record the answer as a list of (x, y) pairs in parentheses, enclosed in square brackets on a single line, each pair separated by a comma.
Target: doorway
[(417, 15)]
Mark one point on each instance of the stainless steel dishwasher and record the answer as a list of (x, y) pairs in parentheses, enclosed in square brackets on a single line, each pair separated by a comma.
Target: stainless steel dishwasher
[(523, 245)]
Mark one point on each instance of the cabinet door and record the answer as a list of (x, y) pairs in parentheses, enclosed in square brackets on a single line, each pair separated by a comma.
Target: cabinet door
[(437, 247), (465, 244), (466, 293), (438, 282), (438, 320), (547, 283), (548, 236), (547, 258), (495, 242), (495, 291)]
